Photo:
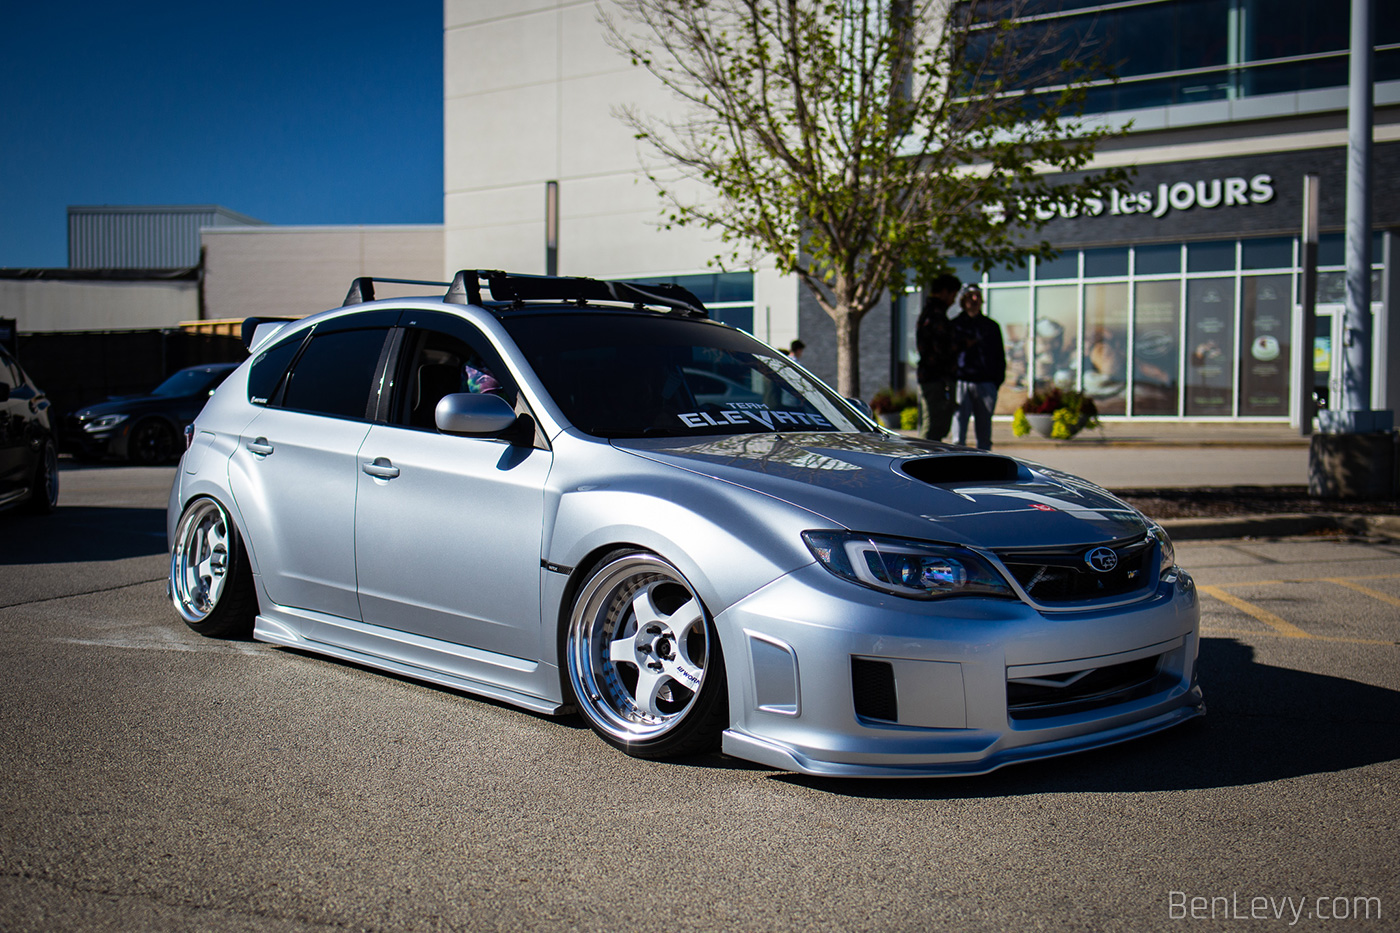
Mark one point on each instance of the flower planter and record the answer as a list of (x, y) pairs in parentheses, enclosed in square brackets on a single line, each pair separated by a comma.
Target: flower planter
[(889, 419), (1041, 424)]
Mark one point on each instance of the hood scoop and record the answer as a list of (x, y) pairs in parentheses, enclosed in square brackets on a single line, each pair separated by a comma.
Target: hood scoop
[(962, 468)]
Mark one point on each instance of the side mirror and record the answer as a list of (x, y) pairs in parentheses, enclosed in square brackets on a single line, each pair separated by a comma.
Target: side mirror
[(473, 415)]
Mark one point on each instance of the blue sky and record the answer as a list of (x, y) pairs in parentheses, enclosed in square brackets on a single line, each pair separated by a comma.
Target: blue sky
[(298, 112)]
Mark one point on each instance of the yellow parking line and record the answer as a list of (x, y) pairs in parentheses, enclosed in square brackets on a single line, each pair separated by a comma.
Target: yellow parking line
[(1287, 629), (1212, 632), (1375, 594)]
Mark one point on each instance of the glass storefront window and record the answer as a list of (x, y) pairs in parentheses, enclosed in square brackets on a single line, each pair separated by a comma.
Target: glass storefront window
[(1271, 253), (1157, 260), (1011, 308), (1209, 322), (1266, 327), (1003, 274), (1105, 363), (1063, 266), (1210, 346), (1099, 263), (1056, 336), (1210, 257), (1156, 347)]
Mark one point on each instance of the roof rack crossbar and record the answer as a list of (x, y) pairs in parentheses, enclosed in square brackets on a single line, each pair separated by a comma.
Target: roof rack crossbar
[(466, 288), (362, 289)]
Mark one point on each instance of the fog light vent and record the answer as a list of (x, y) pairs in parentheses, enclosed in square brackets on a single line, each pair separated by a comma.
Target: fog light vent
[(872, 688)]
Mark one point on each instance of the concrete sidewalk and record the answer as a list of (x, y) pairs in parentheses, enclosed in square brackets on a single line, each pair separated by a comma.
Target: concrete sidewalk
[(1157, 455)]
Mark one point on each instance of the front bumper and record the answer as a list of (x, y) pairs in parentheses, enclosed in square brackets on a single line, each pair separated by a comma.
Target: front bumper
[(78, 440), (827, 678)]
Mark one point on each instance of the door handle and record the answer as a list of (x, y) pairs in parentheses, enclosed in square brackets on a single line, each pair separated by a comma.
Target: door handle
[(259, 446), (381, 468)]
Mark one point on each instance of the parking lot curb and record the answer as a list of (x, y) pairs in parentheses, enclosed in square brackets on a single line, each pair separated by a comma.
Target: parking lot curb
[(1282, 526)]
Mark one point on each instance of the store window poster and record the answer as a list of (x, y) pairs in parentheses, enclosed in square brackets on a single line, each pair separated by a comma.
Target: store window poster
[(1010, 308), (1210, 344), (1265, 338), (1056, 336), (1156, 347), (1105, 363)]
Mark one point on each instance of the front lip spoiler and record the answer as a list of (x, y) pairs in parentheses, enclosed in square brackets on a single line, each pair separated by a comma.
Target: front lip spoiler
[(777, 755)]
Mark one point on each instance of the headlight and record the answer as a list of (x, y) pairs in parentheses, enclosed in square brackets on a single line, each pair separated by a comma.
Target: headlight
[(906, 568), (1168, 565), (104, 422)]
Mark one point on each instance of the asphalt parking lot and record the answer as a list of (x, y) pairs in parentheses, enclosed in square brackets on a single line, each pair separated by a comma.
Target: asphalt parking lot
[(154, 780)]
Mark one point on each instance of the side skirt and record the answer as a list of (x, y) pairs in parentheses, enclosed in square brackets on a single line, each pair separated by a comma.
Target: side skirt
[(510, 680)]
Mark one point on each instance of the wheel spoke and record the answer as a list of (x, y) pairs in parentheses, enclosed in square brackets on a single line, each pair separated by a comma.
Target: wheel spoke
[(684, 672), (649, 686), (623, 650)]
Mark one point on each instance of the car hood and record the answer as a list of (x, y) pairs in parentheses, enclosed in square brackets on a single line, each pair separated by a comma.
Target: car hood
[(885, 484)]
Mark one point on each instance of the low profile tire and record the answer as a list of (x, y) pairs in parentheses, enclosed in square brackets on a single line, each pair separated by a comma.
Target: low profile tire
[(43, 489), (152, 442), (211, 583), (644, 659)]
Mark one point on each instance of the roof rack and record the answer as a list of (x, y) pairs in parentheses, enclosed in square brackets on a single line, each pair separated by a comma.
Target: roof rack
[(518, 289), (362, 289), (465, 288)]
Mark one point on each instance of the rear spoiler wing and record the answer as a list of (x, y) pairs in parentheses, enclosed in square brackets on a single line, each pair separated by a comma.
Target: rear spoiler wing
[(257, 330)]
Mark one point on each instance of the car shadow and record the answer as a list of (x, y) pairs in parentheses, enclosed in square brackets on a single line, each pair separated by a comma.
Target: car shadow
[(74, 534), (1263, 724)]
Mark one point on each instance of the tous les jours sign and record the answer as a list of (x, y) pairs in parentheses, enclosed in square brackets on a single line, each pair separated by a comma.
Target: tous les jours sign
[(1176, 196)]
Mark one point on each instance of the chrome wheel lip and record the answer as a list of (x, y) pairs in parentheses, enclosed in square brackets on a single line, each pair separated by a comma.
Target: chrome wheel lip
[(596, 653), (200, 560)]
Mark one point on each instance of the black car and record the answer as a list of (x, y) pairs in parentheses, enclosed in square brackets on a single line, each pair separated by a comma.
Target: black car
[(28, 456), (145, 429)]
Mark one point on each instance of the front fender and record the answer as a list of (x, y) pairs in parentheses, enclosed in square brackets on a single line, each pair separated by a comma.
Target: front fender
[(728, 541)]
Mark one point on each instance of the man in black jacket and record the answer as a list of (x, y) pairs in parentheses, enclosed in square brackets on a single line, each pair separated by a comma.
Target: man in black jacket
[(933, 338), (980, 365)]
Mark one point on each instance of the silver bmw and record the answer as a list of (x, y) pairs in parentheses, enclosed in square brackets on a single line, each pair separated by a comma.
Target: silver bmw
[(528, 490)]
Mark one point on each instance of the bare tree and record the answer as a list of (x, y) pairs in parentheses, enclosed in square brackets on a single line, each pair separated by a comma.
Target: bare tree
[(855, 141)]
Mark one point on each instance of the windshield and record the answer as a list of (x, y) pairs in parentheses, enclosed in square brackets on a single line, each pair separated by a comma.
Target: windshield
[(190, 382), (633, 375)]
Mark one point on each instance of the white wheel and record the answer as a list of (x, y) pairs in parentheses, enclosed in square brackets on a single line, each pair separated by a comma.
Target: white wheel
[(210, 583), (644, 661)]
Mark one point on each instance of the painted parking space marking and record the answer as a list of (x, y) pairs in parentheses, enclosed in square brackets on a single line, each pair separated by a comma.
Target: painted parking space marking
[(1210, 631), (1282, 627), (1365, 590)]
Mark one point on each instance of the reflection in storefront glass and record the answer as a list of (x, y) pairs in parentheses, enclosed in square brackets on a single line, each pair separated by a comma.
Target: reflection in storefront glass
[(1106, 346), (1210, 343), (1056, 336), (1156, 348), (1266, 323), (1011, 308)]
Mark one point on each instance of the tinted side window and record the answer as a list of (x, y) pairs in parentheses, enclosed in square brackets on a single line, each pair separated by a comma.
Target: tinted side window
[(266, 371), (437, 364), (335, 374)]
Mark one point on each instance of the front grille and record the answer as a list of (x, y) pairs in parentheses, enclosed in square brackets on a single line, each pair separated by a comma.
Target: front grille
[(1064, 575), (872, 688), (1080, 691)]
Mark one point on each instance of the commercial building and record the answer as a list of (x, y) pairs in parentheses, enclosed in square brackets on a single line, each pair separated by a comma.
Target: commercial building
[(1176, 301)]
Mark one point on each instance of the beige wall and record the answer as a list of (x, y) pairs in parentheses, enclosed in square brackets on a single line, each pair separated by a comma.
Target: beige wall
[(530, 93), (52, 304), (301, 270)]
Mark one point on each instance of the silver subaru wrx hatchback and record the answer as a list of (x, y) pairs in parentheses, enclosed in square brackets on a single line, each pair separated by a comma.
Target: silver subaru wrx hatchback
[(529, 490)]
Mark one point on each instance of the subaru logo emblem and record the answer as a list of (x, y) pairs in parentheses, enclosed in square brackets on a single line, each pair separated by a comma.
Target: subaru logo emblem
[(1102, 559)]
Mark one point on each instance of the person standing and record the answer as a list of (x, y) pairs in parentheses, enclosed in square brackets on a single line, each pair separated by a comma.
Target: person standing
[(980, 364), (933, 339)]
